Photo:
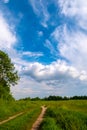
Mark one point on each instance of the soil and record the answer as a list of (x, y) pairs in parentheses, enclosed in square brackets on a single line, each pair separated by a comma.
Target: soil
[(39, 119), (37, 122)]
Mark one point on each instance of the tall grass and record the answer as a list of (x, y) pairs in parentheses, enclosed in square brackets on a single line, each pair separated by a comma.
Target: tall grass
[(31, 111), (23, 122), (60, 115), (10, 108), (66, 115)]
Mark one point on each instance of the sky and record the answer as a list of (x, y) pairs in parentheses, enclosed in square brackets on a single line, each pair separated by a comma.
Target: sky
[(47, 42)]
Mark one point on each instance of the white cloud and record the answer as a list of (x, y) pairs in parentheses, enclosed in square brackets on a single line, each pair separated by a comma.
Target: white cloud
[(32, 54), (57, 78), (28, 87), (72, 44), (59, 70), (76, 9), (7, 36)]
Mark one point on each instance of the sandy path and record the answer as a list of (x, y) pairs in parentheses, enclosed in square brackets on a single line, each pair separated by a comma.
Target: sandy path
[(39, 119), (10, 118)]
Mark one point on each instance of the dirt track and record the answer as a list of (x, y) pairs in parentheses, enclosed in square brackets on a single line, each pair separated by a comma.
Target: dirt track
[(37, 122), (10, 118), (39, 119)]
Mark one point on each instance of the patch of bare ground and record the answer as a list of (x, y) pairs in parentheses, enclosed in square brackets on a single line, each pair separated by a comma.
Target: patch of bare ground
[(39, 119)]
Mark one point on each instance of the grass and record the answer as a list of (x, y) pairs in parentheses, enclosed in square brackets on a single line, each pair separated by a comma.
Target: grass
[(8, 108), (25, 121), (66, 115), (60, 115)]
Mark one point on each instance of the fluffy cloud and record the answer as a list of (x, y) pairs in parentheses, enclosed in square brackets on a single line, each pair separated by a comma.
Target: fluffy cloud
[(58, 78), (59, 70)]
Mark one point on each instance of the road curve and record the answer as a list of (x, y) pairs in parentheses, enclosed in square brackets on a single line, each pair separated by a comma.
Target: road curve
[(39, 119)]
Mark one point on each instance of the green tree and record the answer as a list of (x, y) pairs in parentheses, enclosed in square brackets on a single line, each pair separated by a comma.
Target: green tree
[(8, 75)]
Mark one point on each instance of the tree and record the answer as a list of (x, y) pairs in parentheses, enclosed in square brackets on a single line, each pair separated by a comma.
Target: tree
[(8, 74)]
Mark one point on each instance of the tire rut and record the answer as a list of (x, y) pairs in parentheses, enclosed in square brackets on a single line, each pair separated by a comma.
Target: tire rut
[(39, 119)]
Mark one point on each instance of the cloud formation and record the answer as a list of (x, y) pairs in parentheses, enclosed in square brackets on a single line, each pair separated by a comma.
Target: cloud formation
[(58, 78), (7, 36), (58, 70), (72, 45), (76, 9), (67, 42)]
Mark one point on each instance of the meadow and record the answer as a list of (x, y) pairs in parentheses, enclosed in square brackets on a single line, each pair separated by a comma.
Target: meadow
[(60, 115), (66, 115), (31, 111)]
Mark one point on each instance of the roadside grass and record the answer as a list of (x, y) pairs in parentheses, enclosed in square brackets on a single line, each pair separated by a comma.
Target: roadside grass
[(10, 108), (65, 115), (23, 122), (49, 123)]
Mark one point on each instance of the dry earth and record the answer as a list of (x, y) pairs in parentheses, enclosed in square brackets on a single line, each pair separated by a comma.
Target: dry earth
[(37, 122), (39, 119)]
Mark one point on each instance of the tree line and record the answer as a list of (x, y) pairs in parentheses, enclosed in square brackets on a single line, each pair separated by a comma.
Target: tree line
[(55, 98)]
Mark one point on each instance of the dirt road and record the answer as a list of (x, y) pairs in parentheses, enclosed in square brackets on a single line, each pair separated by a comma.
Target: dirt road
[(39, 119), (10, 118), (37, 122)]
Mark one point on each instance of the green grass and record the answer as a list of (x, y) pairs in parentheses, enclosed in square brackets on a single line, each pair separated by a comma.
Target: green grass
[(23, 122), (49, 124), (31, 111), (8, 108), (60, 115), (66, 115)]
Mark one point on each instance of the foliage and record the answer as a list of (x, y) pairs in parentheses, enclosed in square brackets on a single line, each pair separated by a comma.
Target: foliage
[(8, 75), (56, 98)]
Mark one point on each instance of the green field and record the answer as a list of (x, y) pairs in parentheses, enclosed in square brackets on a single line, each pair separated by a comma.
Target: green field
[(66, 115), (31, 111), (60, 115)]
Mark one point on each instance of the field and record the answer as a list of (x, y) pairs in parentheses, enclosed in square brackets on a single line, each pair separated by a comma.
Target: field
[(66, 115), (31, 111), (60, 115)]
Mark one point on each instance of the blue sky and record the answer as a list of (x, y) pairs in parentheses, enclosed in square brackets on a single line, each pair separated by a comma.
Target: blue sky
[(47, 42)]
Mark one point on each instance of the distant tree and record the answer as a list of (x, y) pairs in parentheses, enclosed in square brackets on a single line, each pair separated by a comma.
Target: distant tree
[(35, 99), (53, 97), (8, 74)]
